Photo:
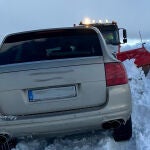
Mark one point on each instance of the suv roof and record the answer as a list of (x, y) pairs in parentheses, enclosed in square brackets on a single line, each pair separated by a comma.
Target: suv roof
[(26, 35)]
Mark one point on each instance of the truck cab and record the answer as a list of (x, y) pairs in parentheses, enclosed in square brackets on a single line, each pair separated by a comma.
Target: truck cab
[(110, 32)]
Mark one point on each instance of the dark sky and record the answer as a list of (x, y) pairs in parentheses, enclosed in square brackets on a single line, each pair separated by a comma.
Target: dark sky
[(22, 15)]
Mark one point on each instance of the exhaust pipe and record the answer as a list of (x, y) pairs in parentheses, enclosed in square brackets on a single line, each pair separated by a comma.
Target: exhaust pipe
[(4, 138), (7, 142), (112, 124)]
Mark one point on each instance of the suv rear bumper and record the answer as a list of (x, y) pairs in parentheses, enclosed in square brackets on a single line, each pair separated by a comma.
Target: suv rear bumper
[(116, 108)]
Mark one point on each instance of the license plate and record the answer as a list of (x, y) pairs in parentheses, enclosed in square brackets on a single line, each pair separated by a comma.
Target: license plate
[(51, 93)]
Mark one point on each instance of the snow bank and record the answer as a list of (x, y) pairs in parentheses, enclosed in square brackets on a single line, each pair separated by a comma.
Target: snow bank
[(135, 45), (140, 86)]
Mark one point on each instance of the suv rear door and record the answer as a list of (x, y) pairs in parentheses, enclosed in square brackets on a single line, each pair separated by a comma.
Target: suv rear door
[(50, 71)]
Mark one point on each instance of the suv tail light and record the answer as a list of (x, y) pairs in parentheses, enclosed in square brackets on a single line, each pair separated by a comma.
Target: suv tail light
[(115, 74)]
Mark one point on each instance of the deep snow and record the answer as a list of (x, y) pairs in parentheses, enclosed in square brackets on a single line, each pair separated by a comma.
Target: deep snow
[(140, 86)]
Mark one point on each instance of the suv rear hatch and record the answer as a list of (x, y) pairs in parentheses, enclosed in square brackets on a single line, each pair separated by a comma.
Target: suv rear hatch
[(51, 71)]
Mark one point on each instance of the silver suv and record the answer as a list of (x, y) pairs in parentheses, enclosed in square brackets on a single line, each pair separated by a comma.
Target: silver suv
[(62, 81)]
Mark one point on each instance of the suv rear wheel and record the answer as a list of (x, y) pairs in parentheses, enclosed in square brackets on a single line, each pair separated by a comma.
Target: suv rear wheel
[(124, 132)]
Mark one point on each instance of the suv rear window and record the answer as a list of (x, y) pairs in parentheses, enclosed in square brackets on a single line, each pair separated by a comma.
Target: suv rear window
[(49, 44)]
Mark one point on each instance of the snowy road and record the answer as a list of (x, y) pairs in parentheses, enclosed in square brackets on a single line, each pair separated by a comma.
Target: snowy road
[(140, 86)]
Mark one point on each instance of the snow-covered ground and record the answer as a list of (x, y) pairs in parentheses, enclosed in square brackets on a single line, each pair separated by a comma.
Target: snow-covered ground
[(140, 86)]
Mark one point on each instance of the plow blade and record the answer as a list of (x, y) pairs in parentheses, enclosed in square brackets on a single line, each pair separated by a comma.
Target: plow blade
[(141, 56)]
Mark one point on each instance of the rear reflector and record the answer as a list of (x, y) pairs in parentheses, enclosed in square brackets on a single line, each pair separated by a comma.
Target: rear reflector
[(115, 74)]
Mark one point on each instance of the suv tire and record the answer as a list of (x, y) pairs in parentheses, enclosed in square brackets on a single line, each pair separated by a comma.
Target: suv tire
[(124, 132)]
